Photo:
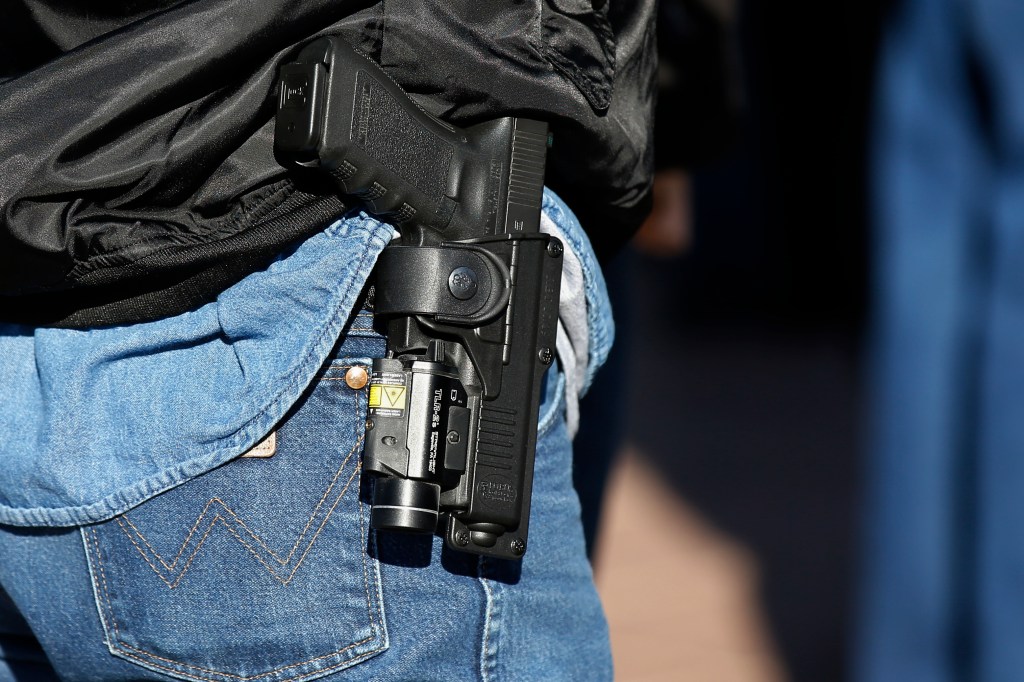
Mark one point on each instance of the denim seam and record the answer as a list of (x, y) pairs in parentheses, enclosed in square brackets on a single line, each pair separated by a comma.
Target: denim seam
[(360, 317), (184, 545), (120, 646), (337, 364), (319, 530), (104, 590), (371, 554), (123, 648), (301, 676), (238, 520), (366, 578), (492, 624), (241, 540), (188, 563), (556, 409)]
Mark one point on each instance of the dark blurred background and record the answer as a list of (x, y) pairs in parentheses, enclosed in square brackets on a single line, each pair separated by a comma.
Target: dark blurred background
[(754, 334)]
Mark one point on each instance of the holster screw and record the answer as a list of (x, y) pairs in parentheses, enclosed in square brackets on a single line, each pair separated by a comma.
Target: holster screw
[(545, 355), (555, 248), (462, 538), (518, 547), (462, 282)]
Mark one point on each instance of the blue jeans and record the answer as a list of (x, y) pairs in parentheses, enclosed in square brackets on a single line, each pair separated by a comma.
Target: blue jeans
[(264, 569), (944, 558)]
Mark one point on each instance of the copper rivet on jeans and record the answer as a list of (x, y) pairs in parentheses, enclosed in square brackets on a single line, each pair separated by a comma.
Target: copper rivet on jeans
[(356, 377)]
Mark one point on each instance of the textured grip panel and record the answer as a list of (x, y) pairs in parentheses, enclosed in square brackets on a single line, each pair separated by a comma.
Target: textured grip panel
[(389, 135), (526, 177)]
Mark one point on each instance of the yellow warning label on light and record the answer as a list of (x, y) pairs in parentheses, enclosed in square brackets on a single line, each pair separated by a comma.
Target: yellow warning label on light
[(391, 397)]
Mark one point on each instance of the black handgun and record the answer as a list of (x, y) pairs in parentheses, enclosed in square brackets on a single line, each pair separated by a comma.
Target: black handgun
[(469, 293)]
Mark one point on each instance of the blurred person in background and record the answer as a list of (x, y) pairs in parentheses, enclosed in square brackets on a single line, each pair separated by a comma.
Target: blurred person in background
[(944, 559)]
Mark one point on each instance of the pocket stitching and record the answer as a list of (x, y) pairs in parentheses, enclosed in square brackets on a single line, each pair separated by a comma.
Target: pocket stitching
[(238, 520), (116, 645), (121, 646)]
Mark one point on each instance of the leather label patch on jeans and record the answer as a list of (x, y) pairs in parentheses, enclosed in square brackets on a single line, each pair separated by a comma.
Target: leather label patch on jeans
[(265, 448)]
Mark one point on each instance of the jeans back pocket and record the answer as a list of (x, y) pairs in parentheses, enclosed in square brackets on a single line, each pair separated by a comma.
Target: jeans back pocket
[(257, 570)]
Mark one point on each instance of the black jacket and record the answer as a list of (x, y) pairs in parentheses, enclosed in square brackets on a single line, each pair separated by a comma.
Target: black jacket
[(137, 177)]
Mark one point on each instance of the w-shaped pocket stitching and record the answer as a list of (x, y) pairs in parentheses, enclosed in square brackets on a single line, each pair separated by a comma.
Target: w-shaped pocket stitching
[(221, 580), (235, 525)]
